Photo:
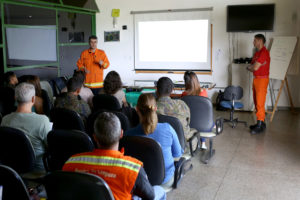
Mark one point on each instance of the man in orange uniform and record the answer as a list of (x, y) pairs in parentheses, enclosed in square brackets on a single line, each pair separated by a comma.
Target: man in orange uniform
[(260, 66), (93, 61), (124, 175)]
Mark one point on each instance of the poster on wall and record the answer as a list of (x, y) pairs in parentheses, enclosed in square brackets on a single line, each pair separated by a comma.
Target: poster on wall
[(111, 36)]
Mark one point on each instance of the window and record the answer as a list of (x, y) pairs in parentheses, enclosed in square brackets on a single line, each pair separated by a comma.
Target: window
[(88, 4), (173, 41)]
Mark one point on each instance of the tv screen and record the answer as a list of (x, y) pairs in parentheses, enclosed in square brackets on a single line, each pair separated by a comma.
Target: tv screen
[(250, 18)]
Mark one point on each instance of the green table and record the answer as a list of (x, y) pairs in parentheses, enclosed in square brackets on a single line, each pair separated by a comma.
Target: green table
[(132, 97)]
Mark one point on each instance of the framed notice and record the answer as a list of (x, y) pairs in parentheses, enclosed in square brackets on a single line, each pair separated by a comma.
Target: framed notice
[(112, 36)]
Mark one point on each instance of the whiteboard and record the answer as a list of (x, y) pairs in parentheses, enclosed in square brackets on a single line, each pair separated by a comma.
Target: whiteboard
[(281, 53), (31, 44)]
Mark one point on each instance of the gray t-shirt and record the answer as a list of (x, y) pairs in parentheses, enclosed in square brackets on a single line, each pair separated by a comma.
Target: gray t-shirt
[(36, 127)]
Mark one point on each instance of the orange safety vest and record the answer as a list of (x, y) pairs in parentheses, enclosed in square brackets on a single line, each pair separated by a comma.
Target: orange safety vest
[(120, 172), (91, 62)]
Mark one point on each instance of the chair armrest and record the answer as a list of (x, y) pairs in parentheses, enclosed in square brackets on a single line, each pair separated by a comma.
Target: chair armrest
[(180, 170), (219, 125)]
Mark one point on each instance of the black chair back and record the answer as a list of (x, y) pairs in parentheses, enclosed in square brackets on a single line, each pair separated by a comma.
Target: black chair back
[(76, 186), (233, 93), (16, 150), (106, 102), (125, 124), (149, 152), (201, 110), (47, 105), (176, 124), (66, 119), (7, 99), (62, 144), (12, 184)]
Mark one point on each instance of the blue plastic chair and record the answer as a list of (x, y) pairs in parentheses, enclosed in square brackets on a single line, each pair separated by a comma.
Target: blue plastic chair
[(231, 95)]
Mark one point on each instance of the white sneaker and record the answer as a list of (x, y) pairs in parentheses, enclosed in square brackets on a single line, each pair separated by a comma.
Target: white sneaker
[(203, 146)]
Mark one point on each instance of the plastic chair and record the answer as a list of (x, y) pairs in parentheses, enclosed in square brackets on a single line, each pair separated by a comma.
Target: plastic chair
[(106, 102), (231, 95), (66, 119), (16, 150), (12, 184), (61, 185), (149, 152), (176, 124), (62, 144), (202, 120)]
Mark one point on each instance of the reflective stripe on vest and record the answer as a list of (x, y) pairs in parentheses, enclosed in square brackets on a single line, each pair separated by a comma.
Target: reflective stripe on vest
[(106, 161), (99, 84)]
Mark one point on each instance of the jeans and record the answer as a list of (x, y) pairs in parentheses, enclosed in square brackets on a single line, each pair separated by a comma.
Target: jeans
[(159, 192)]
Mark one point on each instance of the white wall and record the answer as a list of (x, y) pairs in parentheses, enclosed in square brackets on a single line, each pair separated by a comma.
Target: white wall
[(121, 54)]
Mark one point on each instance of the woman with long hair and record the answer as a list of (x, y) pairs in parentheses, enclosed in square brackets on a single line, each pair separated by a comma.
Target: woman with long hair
[(163, 133), (113, 85), (192, 87)]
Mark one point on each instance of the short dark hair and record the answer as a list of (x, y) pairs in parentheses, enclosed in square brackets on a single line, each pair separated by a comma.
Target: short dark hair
[(164, 86), (73, 84), (260, 37), (7, 76), (93, 37), (107, 129), (112, 83), (80, 74)]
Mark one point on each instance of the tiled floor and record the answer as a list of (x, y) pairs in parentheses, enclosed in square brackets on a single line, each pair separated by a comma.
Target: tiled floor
[(245, 166)]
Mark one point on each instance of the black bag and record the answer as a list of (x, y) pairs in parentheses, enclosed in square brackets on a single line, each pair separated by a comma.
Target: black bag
[(220, 98)]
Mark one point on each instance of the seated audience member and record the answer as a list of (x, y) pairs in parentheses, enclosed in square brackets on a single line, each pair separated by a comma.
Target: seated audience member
[(86, 94), (10, 80), (35, 80), (174, 107), (124, 174), (113, 85), (35, 126), (192, 87), (70, 99), (163, 133)]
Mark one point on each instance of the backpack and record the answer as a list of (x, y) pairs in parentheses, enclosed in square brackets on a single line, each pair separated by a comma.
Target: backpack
[(220, 98)]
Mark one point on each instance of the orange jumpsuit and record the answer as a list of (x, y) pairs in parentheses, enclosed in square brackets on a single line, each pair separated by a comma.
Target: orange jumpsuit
[(260, 82), (91, 62), (119, 172)]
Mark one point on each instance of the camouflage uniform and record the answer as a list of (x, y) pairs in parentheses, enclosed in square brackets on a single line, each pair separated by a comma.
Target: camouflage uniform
[(179, 109), (72, 102)]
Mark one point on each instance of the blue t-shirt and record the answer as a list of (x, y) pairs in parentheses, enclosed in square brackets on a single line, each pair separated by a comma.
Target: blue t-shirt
[(166, 136)]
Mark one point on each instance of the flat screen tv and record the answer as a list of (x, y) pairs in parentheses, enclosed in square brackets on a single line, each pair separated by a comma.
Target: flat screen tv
[(250, 18)]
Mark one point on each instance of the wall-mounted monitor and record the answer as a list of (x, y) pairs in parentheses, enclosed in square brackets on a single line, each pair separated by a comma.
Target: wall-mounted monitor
[(250, 18)]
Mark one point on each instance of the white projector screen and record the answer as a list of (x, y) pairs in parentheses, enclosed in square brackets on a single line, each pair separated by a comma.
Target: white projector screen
[(38, 44), (172, 43)]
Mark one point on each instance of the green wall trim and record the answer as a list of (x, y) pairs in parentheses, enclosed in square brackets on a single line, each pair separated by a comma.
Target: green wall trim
[(73, 44), (31, 66), (49, 5), (45, 5), (29, 26)]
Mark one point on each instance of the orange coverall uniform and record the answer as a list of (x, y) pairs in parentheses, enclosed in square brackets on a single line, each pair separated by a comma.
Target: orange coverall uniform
[(119, 172), (260, 82), (91, 62)]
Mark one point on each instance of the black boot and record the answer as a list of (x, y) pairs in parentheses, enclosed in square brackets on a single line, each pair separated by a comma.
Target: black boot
[(258, 128), (254, 125)]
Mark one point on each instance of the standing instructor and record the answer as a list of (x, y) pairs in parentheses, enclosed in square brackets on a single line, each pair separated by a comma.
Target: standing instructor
[(260, 66), (93, 61)]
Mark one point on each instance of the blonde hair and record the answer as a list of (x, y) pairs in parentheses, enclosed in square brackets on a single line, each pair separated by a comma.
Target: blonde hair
[(192, 84), (147, 107)]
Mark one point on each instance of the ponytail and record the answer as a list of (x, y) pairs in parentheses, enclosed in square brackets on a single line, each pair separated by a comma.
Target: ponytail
[(147, 107)]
